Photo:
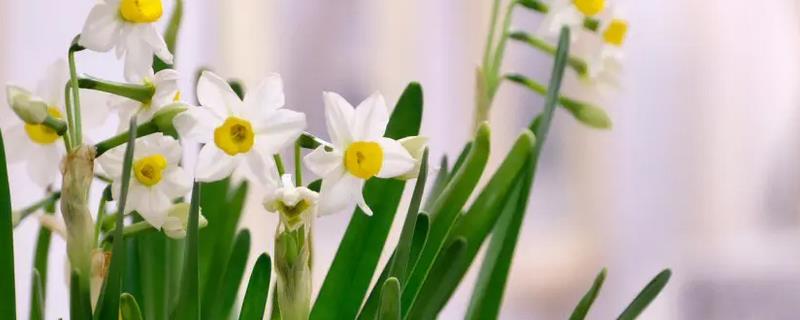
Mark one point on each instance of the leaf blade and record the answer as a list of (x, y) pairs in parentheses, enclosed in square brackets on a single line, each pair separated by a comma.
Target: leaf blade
[(8, 307), (129, 308), (255, 298), (646, 296), (189, 301), (390, 300), (582, 309)]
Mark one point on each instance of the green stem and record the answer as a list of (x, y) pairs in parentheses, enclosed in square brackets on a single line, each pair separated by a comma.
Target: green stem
[(56, 124), (68, 137), (101, 212), (122, 138), (310, 141), (487, 51), (279, 164), (568, 103), (494, 73), (577, 64), (298, 167), (141, 93), (49, 200), (76, 106)]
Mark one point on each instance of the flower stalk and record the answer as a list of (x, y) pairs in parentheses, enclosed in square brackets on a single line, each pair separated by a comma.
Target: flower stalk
[(293, 267), (141, 93)]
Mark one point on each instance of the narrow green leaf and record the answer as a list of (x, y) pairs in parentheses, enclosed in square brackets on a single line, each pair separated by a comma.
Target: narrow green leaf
[(474, 226), (403, 251), (37, 297), (446, 208), (78, 308), (276, 309), (40, 262), (108, 302), (454, 254), (222, 300), (646, 296), (8, 305), (488, 293), (255, 298), (189, 301), (370, 309), (153, 269), (582, 309), (461, 158), (438, 184), (128, 308), (390, 300), (222, 206), (349, 276)]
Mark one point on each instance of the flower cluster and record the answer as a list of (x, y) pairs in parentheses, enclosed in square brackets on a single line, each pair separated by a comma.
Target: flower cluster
[(239, 136)]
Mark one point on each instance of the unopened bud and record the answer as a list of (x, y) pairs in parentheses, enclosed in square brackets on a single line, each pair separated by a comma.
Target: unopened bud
[(178, 221), (592, 116), (415, 146), (29, 108)]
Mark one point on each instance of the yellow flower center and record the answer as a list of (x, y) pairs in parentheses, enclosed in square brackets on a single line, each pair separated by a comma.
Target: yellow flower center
[(590, 7), (177, 96), (41, 133), (140, 11), (234, 136), (148, 170), (615, 32), (363, 159)]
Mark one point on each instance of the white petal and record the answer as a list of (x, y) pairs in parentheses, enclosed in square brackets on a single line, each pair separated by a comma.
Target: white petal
[(43, 165), (102, 28), (214, 93), (158, 143), (396, 159), (51, 88), (323, 163), (111, 161), (281, 129), (371, 117), (339, 116), (213, 164), (138, 58), (339, 193), (154, 39), (153, 206), (18, 144), (258, 164), (176, 183), (266, 97), (197, 124)]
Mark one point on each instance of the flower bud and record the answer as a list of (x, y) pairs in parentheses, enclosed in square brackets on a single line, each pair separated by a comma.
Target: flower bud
[(29, 108), (101, 260), (178, 220), (415, 146), (296, 205), (592, 116), (163, 118)]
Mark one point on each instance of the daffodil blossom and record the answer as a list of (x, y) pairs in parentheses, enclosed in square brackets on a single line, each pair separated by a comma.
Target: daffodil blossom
[(238, 134), (296, 205), (165, 83), (129, 26), (36, 145), (156, 178), (569, 13), (360, 152), (178, 220)]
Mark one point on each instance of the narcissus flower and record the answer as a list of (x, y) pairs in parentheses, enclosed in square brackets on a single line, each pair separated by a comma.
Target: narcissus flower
[(36, 145), (156, 178), (178, 221), (360, 152), (165, 83), (604, 54), (570, 13), (130, 27), (296, 205), (237, 132)]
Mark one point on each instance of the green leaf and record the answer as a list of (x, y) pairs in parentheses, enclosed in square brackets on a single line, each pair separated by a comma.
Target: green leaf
[(153, 269), (390, 300), (128, 308), (8, 305), (646, 296), (370, 309), (222, 206), (78, 308), (40, 260), (255, 298), (438, 184), (276, 309), (108, 302), (400, 264), (349, 276), (474, 226), (218, 304), (189, 301), (445, 209), (454, 253), (37, 297), (582, 309), (488, 293)]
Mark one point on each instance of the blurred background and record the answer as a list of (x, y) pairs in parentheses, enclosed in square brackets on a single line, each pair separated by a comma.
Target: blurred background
[(699, 173)]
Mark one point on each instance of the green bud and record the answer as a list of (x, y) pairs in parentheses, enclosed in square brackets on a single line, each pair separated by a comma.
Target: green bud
[(163, 118), (592, 116), (29, 108)]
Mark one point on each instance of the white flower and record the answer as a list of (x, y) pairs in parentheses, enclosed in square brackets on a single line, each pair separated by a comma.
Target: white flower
[(296, 205), (569, 13), (604, 53), (236, 133), (360, 152), (156, 178), (129, 26), (178, 220), (36, 145), (165, 83), (415, 145)]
